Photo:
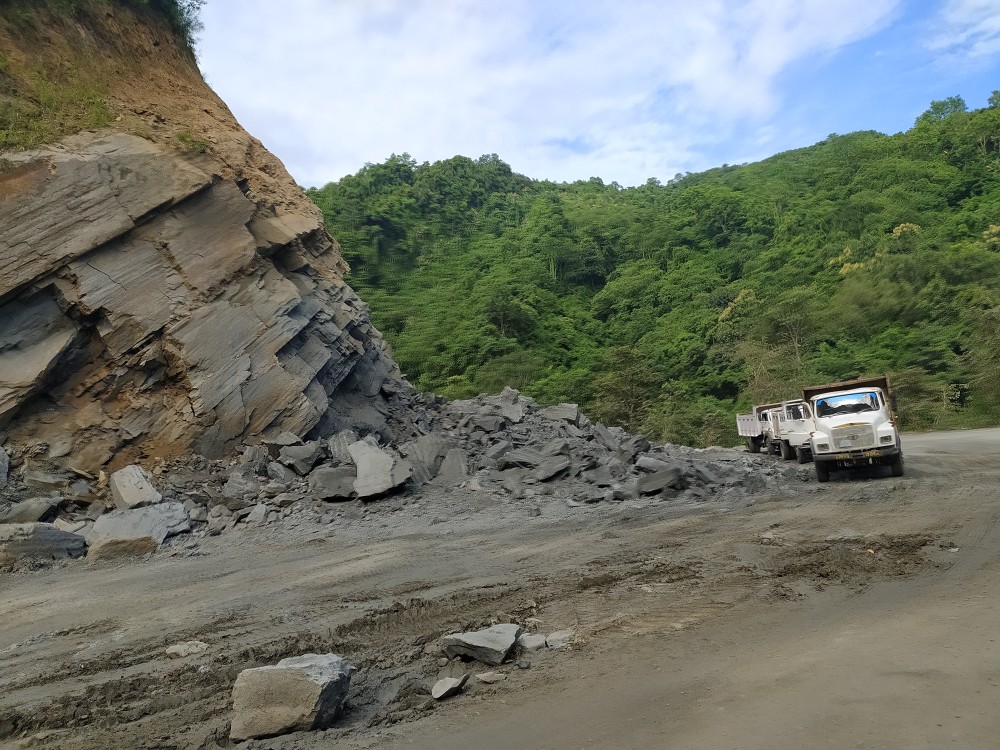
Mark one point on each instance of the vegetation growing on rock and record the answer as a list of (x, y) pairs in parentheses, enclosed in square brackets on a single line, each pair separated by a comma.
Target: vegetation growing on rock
[(667, 307), (62, 59)]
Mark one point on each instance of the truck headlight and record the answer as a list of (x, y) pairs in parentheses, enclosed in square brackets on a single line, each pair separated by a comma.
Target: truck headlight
[(885, 439), (822, 446)]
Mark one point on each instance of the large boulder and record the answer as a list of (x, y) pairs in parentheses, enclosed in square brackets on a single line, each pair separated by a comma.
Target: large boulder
[(378, 470), (490, 646), (299, 693), (156, 521), (332, 482), (131, 488), (37, 541)]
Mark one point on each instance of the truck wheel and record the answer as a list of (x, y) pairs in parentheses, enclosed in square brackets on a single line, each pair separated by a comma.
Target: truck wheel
[(786, 450), (752, 445), (897, 465), (822, 472), (803, 454)]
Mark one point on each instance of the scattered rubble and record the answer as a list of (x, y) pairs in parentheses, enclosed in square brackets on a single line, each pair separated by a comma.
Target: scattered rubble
[(299, 693), (502, 450)]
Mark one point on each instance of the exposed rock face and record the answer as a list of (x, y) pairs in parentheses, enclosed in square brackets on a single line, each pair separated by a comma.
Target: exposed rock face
[(161, 305)]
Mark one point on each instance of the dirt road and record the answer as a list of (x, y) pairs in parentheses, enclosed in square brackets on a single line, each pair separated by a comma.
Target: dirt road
[(861, 613)]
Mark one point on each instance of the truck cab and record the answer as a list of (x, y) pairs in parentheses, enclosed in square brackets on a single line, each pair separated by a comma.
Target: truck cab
[(854, 426), (795, 428)]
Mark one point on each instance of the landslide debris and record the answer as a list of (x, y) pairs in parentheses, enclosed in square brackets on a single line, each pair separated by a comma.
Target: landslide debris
[(503, 451)]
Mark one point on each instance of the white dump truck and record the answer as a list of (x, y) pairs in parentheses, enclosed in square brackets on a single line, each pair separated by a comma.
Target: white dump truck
[(855, 425), (782, 428), (757, 427)]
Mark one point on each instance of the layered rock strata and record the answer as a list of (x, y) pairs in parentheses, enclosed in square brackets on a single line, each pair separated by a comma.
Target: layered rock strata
[(151, 304)]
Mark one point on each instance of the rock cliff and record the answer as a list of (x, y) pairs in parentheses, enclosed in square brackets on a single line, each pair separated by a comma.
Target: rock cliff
[(164, 284)]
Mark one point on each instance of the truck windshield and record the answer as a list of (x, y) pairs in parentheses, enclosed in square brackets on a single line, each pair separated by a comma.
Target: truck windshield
[(848, 403)]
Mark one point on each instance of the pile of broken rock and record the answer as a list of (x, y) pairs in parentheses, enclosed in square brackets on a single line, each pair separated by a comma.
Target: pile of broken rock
[(506, 445)]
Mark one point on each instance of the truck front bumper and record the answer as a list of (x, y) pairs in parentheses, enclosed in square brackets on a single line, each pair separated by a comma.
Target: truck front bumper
[(859, 457)]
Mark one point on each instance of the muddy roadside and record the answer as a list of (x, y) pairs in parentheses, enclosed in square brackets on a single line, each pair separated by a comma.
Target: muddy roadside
[(82, 651)]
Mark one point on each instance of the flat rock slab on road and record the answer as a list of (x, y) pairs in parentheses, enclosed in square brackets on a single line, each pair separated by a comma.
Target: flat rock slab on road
[(860, 613)]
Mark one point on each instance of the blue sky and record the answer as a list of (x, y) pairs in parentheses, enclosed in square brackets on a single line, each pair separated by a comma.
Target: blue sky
[(623, 90)]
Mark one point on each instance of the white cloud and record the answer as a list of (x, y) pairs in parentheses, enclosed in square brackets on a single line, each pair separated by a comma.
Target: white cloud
[(563, 90), (968, 29)]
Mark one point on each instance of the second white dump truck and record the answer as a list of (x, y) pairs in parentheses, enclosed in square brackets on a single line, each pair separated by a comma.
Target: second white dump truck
[(855, 425), (778, 428)]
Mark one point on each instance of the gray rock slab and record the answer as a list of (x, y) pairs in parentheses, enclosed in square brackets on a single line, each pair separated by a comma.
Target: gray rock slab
[(257, 514), (157, 521), (241, 486), (454, 468), (520, 457), (448, 686), (562, 412), (280, 473), (559, 639), (132, 488), (531, 641), (29, 511), (600, 476), (491, 678), (631, 447), (37, 541), (498, 449), (256, 457), (490, 646), (378, 470), (425, 455), (332, 482), (299, 693), (556, 447), (45, 481), (336, 446), (606, 437), (551, 467), (301, 458), (652, 464), (511, 405), (659, 481), (487, 423)]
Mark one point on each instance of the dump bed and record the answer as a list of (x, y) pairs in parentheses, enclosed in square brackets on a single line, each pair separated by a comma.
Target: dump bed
[(881, 381)]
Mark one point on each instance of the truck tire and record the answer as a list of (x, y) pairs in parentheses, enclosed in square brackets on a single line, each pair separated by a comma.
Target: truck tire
[(786, 450), (822, 472), (896, 466), (752, 445), (803, 454)]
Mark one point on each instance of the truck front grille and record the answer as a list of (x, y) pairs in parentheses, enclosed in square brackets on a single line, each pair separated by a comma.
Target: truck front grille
[(853, 437)]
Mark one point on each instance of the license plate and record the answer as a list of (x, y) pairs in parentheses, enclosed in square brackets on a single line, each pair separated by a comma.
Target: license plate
[(846, 444)]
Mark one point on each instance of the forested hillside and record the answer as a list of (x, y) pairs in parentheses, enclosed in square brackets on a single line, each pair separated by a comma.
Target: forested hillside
[(667, 308)]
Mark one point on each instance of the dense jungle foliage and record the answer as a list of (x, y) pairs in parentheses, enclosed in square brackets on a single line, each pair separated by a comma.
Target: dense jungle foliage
[(667, 308)]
